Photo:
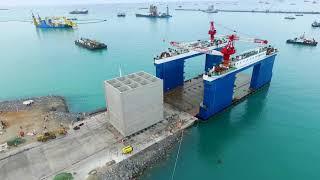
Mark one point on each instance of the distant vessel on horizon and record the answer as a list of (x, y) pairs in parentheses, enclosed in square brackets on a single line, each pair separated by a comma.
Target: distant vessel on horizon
[(315, 24), (153, 13), (121, 14), (289, 17), (82, 11), (210, 9), (302, 40)]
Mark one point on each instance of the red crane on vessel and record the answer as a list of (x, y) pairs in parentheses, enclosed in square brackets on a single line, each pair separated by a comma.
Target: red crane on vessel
[(226, 51), (212, 31), (230, 49)]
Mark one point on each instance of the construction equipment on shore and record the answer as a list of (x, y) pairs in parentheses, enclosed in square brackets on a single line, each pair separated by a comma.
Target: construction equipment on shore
[(15, 141), (127, 150), (52, 134), (61, 131), (3, 124), (63, 176), (46, 136)]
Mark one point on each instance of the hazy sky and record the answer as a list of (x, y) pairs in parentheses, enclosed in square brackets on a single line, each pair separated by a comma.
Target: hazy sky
[(43, 2), (66, 2)]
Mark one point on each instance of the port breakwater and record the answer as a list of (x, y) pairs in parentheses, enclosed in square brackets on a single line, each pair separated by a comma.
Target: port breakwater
[(255, 11)]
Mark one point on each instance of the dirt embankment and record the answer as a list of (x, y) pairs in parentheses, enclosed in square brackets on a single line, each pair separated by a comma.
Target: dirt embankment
[(46, 113)]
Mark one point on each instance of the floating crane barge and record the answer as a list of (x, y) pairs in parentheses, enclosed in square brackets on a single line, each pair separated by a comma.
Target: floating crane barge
[(222, 82), (53, 22)]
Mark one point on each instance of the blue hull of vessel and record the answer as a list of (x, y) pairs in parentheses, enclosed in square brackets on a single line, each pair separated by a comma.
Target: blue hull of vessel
[(218, 94), (172, 72), (43, 24)]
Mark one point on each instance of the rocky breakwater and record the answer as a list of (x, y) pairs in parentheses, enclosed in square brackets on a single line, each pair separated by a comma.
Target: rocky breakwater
[(134, 166), (168, 135)]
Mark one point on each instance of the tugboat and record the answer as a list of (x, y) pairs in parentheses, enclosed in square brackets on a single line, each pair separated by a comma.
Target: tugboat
[(90, 44), (121, 14), (302, 41), (210, 10), (53, 22), (315, 24), (289, 17), (83, 11), (154, 13)]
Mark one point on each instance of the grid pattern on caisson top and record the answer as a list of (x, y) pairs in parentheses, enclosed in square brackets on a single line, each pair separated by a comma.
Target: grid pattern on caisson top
[(132, 81)]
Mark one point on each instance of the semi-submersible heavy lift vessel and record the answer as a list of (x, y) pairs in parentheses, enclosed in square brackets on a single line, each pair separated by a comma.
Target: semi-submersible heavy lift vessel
[(219, 87)]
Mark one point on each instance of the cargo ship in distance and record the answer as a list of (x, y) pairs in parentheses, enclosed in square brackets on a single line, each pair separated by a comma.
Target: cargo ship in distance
[(53, 22), (153, 13), (210, 9), (302, 40), (82, 11)]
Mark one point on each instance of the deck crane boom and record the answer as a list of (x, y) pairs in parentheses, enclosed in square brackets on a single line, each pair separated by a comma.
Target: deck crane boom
[(226, 51)]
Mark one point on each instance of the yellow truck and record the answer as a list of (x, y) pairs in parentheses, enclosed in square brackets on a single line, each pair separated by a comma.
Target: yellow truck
[(46, 136), (127, 150)]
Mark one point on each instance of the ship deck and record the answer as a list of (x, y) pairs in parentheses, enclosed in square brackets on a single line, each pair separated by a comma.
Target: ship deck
[(189, 96)]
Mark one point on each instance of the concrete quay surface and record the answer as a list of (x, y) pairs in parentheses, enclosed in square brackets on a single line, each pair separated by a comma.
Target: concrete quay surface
[(94, 145)]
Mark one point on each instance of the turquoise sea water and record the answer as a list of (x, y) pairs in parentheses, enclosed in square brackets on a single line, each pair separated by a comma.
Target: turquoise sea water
[(274, 134)]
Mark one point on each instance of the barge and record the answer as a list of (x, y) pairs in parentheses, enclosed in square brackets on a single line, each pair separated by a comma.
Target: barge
[(90, 44), (153, 13)]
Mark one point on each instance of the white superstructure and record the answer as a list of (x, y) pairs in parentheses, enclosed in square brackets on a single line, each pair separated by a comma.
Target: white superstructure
[(249, 57), (244, 60), (188, 49)]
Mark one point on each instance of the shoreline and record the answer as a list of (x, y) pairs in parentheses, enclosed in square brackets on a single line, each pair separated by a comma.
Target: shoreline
[(103, 141), (134, 166)]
